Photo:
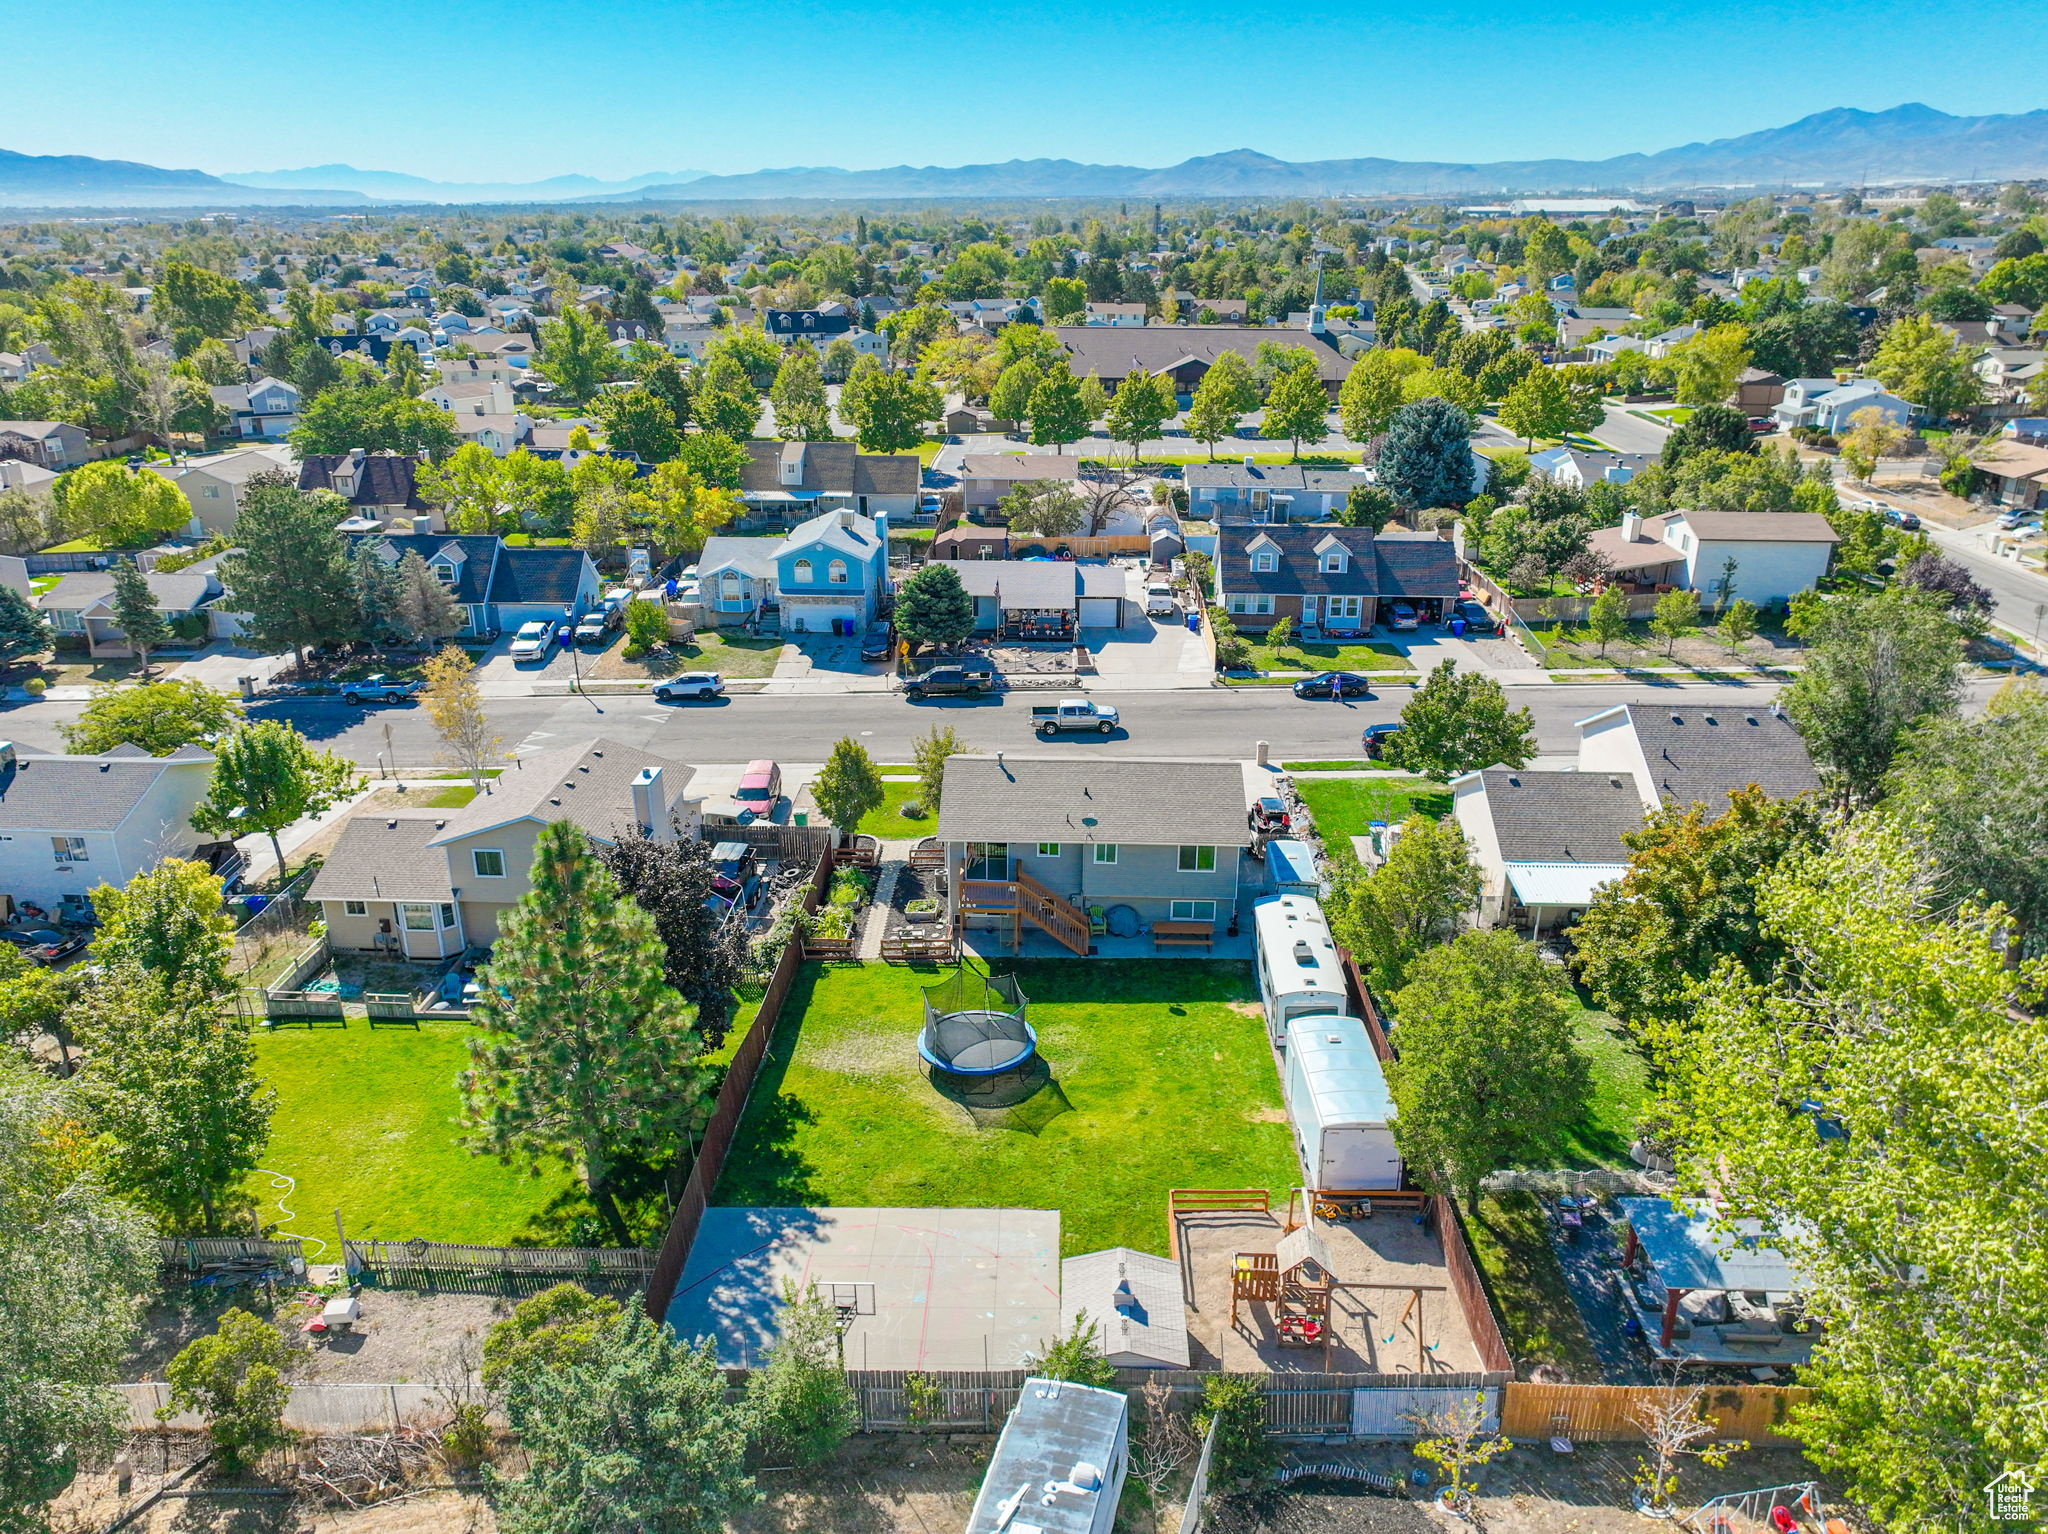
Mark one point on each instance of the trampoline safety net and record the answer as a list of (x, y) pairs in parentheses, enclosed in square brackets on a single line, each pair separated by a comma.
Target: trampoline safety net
[(974, 1024)]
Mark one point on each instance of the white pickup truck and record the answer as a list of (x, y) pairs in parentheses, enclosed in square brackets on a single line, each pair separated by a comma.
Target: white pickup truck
[(1073, 714)]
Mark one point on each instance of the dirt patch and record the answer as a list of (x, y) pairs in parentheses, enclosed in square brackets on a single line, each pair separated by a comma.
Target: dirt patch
[(405, 1336), (1246, 1008), (875, 1048), (1265, 1115), (91, 1506), (877, 1485)]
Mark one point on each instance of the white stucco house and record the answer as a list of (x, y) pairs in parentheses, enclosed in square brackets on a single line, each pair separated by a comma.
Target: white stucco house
[(1776, 553)]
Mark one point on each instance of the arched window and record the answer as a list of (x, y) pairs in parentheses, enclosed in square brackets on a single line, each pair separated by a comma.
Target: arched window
[(836, 572), (803, 572)]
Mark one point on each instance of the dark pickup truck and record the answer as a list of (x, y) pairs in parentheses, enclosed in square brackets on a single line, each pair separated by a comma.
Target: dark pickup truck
[(943, 681)]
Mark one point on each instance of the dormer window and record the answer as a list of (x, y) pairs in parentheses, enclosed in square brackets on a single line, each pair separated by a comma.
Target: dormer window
[(1265, 559), (1333, 560), (802, 574), (443, 572), (836, 572)]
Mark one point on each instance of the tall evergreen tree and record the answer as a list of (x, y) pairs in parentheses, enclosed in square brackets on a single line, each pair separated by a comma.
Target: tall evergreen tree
[(292, 575), (586, 1055), (1427, 457), (135, 613)]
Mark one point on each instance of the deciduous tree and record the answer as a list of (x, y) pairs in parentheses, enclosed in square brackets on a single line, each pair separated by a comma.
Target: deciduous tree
[(1677, 614), (929, 752), (1458, 722), (1488, 1075), (157, 716), (266, 775), (456, 705), (1297, 407), (802, 413), (371, 415), (1141, 406), (1413, 901), (123, 508), (727, 401), (702, 960), (1221, 400), (1370, 394), (168, 923), (1058, 415), (575, 353), (639, 422), (800, 1405), (849, 786), (234, 1378)]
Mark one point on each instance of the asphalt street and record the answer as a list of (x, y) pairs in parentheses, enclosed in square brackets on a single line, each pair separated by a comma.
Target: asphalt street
[(1195, 723)]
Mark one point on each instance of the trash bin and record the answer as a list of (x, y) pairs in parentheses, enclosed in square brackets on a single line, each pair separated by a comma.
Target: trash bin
[(1194, 623), (1458, 628), (803, 817)]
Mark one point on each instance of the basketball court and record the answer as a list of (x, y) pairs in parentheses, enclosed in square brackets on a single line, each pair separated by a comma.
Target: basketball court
[(916, 1288)]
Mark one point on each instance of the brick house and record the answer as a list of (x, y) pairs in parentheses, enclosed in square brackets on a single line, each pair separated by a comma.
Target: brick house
[(1328, 579)]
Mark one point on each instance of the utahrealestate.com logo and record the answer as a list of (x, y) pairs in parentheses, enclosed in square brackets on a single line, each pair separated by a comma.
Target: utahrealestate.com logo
[(2011, 1498)]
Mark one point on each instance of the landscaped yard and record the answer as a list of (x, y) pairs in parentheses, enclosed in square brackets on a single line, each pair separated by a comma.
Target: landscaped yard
[(889, 823), (366, 1123), (1510, 1238), (1569, 647), (1621, 1079), (1343, 807), (1161, 1079), (1358, 656), (730, 653)]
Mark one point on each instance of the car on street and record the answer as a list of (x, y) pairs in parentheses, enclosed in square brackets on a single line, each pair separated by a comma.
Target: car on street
[(1333, 684), (691, 684), (1073, 714), (531, 642), (380, 689), (1899, 517), (1375, 738), (46, 945), (951, 681), (1160, 602), (1402, 618)]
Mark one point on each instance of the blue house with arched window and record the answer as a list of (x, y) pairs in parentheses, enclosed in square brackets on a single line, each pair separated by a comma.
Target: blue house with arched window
[(827, 575)]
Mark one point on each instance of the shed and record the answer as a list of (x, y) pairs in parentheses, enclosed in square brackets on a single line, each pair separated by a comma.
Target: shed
[(1338, 1103), (1059, 1466), (1134, 1301)]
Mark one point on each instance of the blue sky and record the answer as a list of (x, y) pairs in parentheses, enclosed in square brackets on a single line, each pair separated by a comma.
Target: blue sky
[(519, 90)]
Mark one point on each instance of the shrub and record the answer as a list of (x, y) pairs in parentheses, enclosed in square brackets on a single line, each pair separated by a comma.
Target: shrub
[(911, 809), (1242, 1453), (35, 687), (235, 1380)]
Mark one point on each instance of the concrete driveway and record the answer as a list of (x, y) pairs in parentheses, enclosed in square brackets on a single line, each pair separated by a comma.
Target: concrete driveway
[(499, 676)]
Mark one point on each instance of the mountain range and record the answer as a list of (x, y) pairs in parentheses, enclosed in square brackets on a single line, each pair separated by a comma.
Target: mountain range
[(396, 186), (1840, 147)]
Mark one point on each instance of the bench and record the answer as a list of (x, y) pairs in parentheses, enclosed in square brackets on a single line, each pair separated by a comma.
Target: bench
[(1183, 934)]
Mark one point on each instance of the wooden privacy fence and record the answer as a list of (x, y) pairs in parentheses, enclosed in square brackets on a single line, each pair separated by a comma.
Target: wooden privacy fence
[(1471, 1292), (731, 1103), (1600, 1413), (426, 1264)]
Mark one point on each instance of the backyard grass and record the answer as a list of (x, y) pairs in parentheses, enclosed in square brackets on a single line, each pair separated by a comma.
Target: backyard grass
[(366, 1123), (1161, 1079), (889, 823), (1510, 1239), (1342, 807), (1621, 1081), (1295, 656)]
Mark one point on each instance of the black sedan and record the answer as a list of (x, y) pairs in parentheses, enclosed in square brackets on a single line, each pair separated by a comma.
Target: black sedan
[(46, 945), (1375, 738), (1333, 684)]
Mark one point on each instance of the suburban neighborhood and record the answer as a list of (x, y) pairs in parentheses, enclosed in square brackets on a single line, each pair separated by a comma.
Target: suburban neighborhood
[(1025, 864)]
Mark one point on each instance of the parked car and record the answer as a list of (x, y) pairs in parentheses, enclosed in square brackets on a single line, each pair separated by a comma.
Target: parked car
[(1902, 519), (531, 642), (691, 684), (2018, 516), (760, 788), (46, 945), (958, 681), (1402, 618), (1475, 613), (1762, 425), (1269, 815), (1073, 714), (877, 644), (380, 689), (1376, 736), (597, 623), (1160, 602), (734, 872), (1333, 684)]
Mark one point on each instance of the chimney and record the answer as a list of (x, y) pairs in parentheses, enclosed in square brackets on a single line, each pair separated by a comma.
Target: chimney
[(1630, 525), (355, 457), (1248, 460), (647, 804), (422, 525), (845, 516)]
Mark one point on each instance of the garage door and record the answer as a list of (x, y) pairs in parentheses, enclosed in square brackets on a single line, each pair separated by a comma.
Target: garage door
[(815, 620), (1101, 612)]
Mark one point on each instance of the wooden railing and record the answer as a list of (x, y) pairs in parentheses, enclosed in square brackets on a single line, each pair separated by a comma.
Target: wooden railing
[(1052, 914), (431, 1262), (1180, 1201), (926, 941)]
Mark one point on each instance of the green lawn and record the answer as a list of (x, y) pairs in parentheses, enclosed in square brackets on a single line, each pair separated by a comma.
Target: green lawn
[(889, 823), (448, 798), (1510, 1240), (366, 1121), (1311, 459), (1161, 1079), (730, 654), (1342, 807), (1363, 764), (1296, 656), (1621, 1080)]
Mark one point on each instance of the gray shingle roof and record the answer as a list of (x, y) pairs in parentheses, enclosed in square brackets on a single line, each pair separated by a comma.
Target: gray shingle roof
[(175, 591), (1023, 583), (590, 784), (1150, 1322), (1700, 756), (753, 556), (382, 479), (835, 466), (1089, 799), (473, 574), (1760, 526), (388, 856), (1385, 567), (1561, 817), (76, 794), (550, 576), (1111, 351), (1277, 476)]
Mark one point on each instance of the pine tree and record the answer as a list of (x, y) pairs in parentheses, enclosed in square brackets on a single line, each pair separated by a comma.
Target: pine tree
[(378, 592), (587, 1054), (135, 613), (292, 575), (424, 608), (23, 630), (933, 607), (1427, 458)]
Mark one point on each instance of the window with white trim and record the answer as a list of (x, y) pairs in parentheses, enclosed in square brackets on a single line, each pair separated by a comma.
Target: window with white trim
[(489, 862), (1192, 910), (1198, 860), (447, 914), (1105, 852), (1333, 561), (835, 572), (1260, 604), (70, 849), (355, 908), (1048, 849), (802, 572), (1266, 561), (1236, 604), (443, 572), (417, 918)]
